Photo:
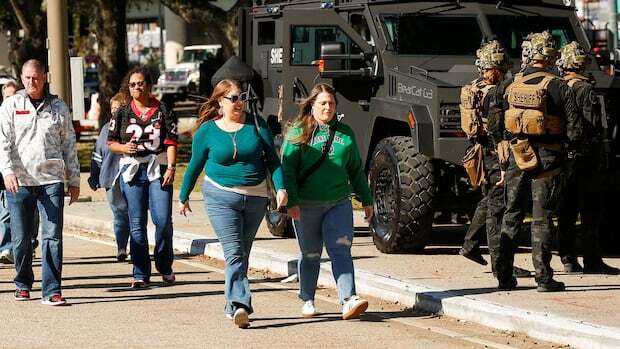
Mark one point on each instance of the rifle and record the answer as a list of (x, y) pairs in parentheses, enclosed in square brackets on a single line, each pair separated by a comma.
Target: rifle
[(608, 132)]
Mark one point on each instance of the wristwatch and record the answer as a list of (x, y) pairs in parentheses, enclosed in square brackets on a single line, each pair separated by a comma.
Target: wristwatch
[(172, 167)]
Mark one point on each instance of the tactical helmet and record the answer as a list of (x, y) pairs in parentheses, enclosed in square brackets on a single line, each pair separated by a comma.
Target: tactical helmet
[(542, 47), (572, 58), (492, 55)]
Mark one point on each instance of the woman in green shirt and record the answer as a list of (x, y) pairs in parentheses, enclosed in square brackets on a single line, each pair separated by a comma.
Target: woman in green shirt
[(319, 199), (230, 147)]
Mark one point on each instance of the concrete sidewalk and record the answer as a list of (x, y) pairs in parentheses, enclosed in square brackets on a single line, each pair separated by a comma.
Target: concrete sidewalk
[(586, 315)]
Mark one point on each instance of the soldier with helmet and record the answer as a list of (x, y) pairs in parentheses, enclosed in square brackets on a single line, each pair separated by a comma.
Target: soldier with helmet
[(492, 63), (539, 116), (582, 193)]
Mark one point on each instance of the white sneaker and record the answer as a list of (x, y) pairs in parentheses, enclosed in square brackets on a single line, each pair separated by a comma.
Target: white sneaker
[(6, 257), (241, 318), (308, 309), (354, 307)]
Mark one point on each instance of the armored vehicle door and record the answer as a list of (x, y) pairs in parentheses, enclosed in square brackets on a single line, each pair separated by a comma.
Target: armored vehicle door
[(309, 35)]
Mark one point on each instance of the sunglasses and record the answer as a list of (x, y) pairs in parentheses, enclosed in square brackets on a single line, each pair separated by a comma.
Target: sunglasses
[(236, 98), (137, 84)]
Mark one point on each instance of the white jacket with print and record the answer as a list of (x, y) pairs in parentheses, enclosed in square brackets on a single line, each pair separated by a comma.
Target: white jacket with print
[(38, 144)]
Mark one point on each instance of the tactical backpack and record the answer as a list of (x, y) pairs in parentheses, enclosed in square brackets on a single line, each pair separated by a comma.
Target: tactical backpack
[(572, 80), (473, 119), (527, 112)]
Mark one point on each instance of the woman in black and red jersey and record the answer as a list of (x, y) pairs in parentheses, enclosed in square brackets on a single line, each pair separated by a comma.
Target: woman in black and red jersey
[(145, 133)]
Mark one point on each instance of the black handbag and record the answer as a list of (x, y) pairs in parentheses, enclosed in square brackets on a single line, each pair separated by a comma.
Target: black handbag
[(277, 219)]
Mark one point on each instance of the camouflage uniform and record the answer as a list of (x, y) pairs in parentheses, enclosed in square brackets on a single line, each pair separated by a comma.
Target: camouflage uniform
[(583, 192), (542, 181), (489, 211)]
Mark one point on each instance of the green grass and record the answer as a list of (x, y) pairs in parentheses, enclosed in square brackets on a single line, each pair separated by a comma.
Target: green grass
[(84, 152)]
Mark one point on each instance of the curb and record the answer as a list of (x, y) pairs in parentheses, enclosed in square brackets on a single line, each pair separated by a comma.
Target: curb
[(539, 325)]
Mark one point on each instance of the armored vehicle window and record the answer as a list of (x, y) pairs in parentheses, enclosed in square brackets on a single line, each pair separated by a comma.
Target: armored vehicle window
[(267, 33), (510, 30), (360, 25), (306, 42), (433, 35)]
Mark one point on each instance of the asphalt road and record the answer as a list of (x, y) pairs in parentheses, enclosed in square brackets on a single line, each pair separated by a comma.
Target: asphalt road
[(104, 312)]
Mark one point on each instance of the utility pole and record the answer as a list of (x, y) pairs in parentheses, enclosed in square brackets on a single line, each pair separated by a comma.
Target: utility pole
[(613, 25), (58, 48)]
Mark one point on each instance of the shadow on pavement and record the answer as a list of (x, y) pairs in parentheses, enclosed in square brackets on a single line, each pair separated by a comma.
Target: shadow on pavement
[(295, 321), (138, 295), (375, 316)]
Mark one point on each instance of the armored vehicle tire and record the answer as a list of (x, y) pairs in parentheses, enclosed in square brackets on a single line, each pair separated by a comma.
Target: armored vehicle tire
[(402, 184)]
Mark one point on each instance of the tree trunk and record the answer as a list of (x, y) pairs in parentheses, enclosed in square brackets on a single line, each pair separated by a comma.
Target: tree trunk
[(112, 39)]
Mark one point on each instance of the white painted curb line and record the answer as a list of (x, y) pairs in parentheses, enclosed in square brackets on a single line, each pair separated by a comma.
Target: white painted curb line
[(539, 325)]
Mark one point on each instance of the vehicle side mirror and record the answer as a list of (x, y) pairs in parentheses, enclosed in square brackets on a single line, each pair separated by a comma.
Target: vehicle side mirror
[(335, 63), (332, 48)]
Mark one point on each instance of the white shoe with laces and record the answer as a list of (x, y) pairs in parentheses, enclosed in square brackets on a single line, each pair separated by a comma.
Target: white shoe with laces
[(308, 309), (354, 307)]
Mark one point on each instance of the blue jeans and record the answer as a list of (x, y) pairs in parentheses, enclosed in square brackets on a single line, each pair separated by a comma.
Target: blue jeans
[(333, 226), (235, 219), (141, 196), (5, 227), (5, 224), (118, 205), (49, 199)]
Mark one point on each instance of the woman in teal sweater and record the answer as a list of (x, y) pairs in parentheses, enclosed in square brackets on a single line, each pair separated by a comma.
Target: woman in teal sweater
[(230, 147), (319, 200)]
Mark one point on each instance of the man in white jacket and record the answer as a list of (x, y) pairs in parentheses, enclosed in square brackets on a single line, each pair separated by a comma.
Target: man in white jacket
[(37, 153)]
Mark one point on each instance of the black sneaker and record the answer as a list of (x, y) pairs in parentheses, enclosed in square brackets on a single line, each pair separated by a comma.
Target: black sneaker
[(121, 255), (22, 295), (507, 285), (551, 286), (473, 255), (520, 272), (600, 268)]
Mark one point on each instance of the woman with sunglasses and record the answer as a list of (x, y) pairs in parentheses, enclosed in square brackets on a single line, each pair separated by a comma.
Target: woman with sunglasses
[(233, 153), (145, 133), (319, 178)]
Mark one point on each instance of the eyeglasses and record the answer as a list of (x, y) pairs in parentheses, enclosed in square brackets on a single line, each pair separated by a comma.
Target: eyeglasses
[(236, 98), (137, 84)]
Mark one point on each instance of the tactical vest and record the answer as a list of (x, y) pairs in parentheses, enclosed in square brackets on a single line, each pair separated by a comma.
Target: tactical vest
[(473, 118), (527, 112)]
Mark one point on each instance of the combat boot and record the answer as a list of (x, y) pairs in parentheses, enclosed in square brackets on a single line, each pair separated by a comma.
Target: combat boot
[(600, 267), (473, 255), (550, 286), (521, 273), (509, 285), (571, 265)]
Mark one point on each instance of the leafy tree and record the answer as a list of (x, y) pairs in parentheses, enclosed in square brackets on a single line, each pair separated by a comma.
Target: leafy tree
[(219, 24), (30, 17)]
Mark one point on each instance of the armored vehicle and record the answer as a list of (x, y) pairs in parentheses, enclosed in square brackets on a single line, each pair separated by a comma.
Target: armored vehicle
[(398, 67)]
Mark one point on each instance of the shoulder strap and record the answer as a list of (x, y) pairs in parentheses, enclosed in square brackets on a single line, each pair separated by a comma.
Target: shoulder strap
[(302, 178), (572, 80)]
